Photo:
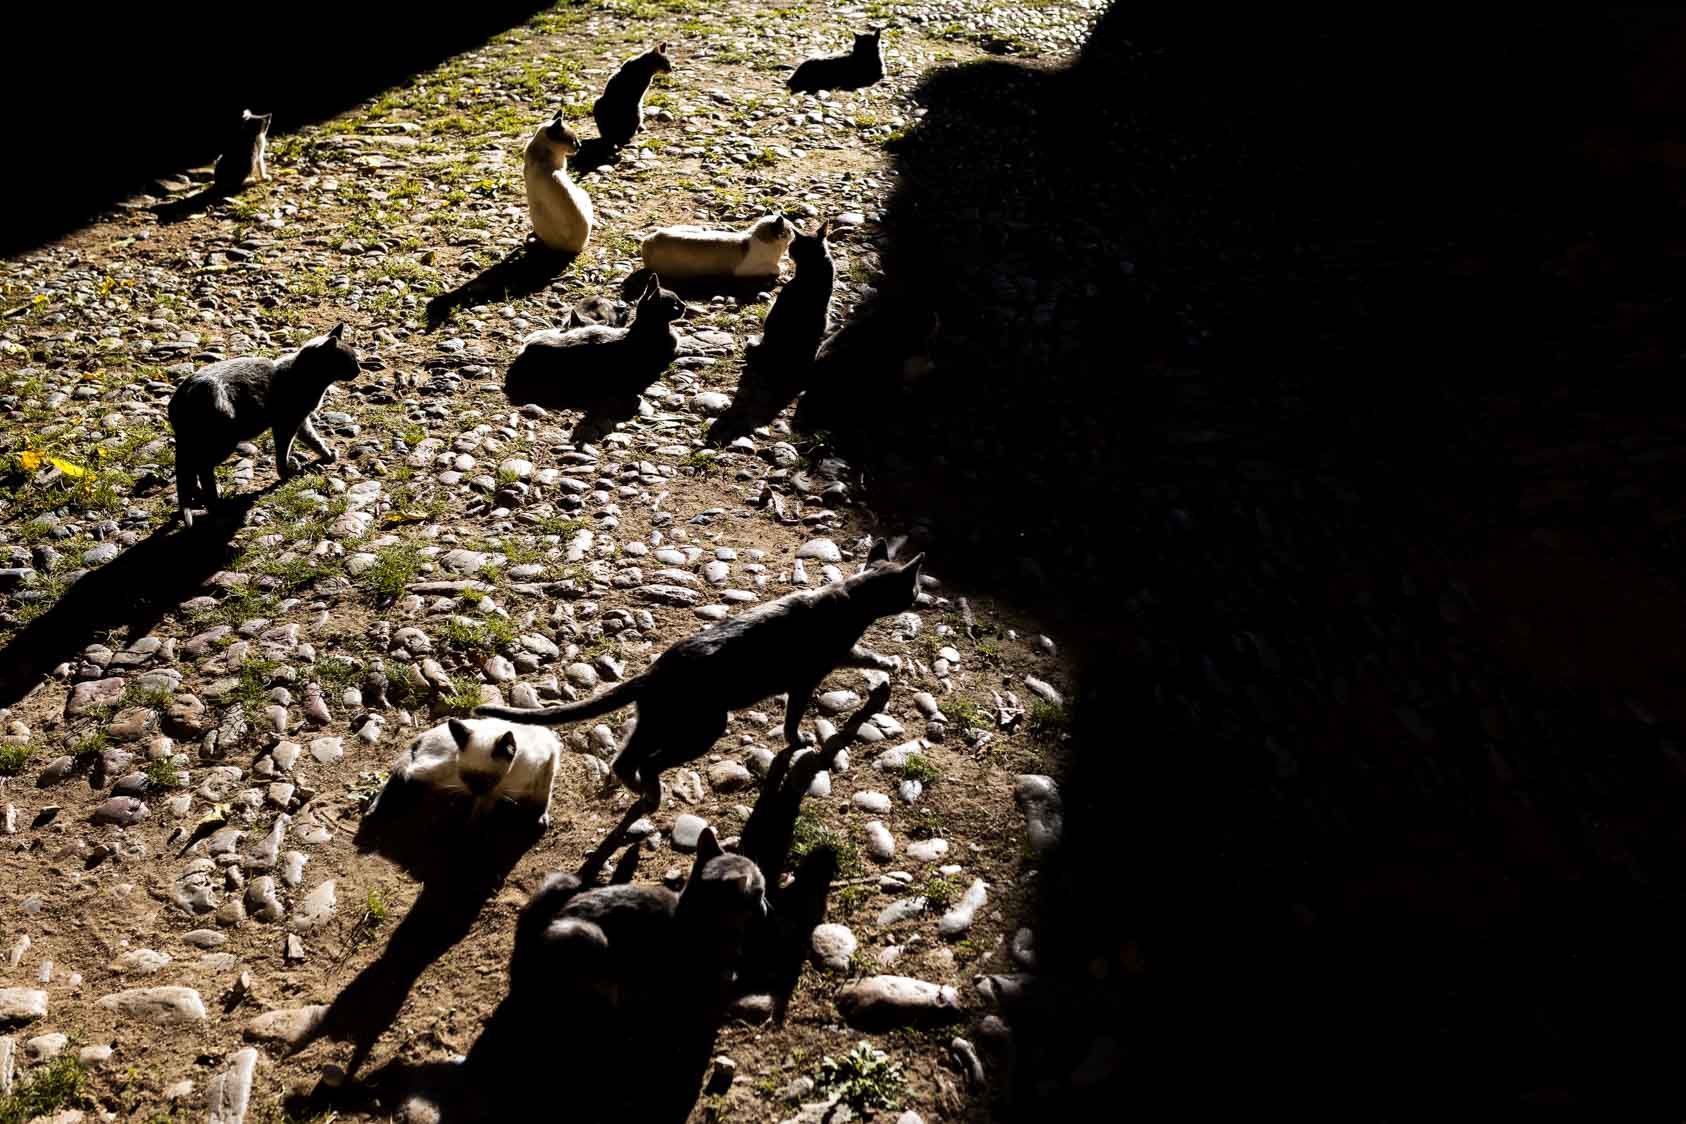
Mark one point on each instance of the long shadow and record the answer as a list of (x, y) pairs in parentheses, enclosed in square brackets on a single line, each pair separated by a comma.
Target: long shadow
[(317, 62), (177, 210), (594, 153), (742, 289), (523, 271), (133, 592), (1336, 409)]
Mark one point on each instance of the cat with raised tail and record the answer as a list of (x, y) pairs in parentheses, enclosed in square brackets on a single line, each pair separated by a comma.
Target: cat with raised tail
[(785, 646), (686, 252), (219, 406), (561, 211), (620, 111), (861, 67), (245, 153)]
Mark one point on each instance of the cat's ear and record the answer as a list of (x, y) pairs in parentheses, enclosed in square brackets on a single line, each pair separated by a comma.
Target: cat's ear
[(337, 332), (661, 48), (504, 748), (880, 552), (824, 230), (653, 289), (911, 568), (461, 732)]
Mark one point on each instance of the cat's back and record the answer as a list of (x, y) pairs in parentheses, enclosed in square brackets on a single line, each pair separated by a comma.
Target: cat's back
[(636, 919), (225, 388)]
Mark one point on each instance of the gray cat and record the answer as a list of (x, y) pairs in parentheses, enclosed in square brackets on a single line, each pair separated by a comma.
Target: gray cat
[(245, 153), (784, 646), (620, 111), (219, 406)]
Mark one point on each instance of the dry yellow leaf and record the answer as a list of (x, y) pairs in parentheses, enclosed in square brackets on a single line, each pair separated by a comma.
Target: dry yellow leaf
[(30, 460), (69, 468)]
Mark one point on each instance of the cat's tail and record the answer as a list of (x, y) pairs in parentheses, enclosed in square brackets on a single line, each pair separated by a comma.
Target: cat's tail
[(613, 699)]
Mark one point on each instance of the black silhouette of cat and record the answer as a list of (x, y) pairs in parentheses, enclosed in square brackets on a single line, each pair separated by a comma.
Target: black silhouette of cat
[(861, 67), (620, 111)]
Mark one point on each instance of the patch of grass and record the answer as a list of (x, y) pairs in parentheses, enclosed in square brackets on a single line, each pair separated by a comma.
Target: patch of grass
[(864, 1079), (90, 744), (464, 697), (337, 673), (253, 689), (163, 774), (939, 892), (13, 759), (851, 898), (919, 768), (1049, 719), (963, 710), (365, 788), (394, 568), (375, 905), (45, 1090), (477, 638), (809, 833)]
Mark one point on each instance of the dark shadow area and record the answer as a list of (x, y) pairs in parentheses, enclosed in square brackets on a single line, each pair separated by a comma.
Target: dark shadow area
[(132, 592), (172, 80), (185, 207), (594, 153), (1319, 382), (523, 271), (740, 289)]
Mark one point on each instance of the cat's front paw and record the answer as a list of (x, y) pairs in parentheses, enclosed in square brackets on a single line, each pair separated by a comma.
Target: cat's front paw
[(328, 457)]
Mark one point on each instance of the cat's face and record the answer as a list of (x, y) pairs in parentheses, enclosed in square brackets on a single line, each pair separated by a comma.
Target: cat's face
[(809, 249), (890, 587), (330, 358), (560, 137), (773, 228), (727, 893), (660, 305), (658, 59), (867, 44), (483, 755)]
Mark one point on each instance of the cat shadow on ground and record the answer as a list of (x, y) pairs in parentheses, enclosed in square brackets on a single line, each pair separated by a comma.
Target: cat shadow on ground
[(761, 396), (423, 830), (132, 592), (594, 153), (186, 206), (744, 290), (523, 271)]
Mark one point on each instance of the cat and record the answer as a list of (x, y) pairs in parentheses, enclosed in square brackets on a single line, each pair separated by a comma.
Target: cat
[(861, 67), (245, 153), (620, 111), (783, 646), (885, 349), (599, 310), (561, 212), (219, 406), (493, 762), (801, 314), (606, 940), (598, 367), (695, 251)]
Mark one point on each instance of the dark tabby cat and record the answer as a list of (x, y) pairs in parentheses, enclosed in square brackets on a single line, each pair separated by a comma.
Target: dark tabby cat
[(598, 367), (620, 111), (245, 153), (861, 67), (219, 406), (784, 646)]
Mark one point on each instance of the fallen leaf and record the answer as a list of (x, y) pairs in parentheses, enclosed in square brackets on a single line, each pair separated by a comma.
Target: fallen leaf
[(69, 468), (30, 460)]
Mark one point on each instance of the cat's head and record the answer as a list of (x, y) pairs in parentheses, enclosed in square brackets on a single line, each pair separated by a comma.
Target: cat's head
[(808, 249), (483, 754), (254, 124), (657, 306), (774, 229), (724, 895), (658, 60), (329, 358), (867, 44), (887, 586), (560, 137)]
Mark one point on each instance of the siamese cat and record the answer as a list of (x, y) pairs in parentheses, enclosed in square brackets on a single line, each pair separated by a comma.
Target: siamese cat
[(245, 153), (561, 212), (494, 762), (620, 111), (694, 251), (785, 646), (861, 67), (219, 406)]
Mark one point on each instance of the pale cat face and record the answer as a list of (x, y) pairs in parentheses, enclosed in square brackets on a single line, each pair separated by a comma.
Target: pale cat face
[(484, 756), (560, 138), (773, 228)]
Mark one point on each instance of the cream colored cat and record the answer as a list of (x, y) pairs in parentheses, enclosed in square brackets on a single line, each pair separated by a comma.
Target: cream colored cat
[(561, 212), (695, 251), (493, 760)]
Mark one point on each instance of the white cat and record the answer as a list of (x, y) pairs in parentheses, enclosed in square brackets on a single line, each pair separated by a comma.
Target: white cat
[(561, 212), (695, 251), (491, 759)]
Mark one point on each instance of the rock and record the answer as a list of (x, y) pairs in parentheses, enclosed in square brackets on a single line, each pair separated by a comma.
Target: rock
[(93, 694), (19, 1006), (581, 675), (261, 900), (464, 561), (205, 938), (897, 912), (686, 830), (140, 962), (710, 403), (56, 770), (94, 1056), (120, 810), (45, 1047), (499, 670), (1024, 949), (317, 909), (887, 1002), (675, 595), (158, 1006), (752, 1009), (880, 844), (836, 702), (1039, 798), (833, 945), (910, 790), (229, 1092), (327, 750), (926, 704), (928, 850), (821, 550), (8, 1063), (1043, 690), (875, 802), (958, 920), (729, 776), (285, 1027)]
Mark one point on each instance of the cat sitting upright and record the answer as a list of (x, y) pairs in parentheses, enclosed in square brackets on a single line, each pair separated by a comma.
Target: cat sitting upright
[(598, 368), (696, 251), (784, 646), (800, 314), (219, 406), (620, 111), (861, 67), (560, 210), (245, 152)]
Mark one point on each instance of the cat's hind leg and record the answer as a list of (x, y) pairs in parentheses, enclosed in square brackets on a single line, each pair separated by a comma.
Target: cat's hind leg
[(284, 452), (186, 491)]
